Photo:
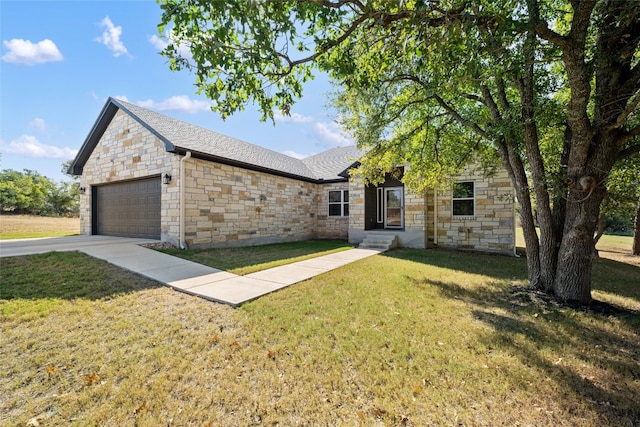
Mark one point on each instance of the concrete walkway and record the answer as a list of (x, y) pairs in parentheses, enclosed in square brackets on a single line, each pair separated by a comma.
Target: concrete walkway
[(186, 276)]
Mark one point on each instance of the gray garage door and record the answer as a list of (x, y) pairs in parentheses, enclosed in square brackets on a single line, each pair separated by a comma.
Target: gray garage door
[(128, 209)]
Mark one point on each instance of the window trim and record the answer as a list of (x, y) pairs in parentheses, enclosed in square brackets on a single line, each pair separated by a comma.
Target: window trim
[(344, 202), (463, 199)]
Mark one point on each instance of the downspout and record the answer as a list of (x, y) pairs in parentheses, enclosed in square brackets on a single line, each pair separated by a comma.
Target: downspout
[(435, 217), (183, 184)]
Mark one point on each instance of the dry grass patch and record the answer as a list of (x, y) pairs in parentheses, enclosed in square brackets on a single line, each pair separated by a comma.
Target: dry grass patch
[(410, 338), (28, 226)]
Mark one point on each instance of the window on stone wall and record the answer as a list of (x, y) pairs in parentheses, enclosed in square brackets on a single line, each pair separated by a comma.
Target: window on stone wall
[(464, 201), (339, 203)]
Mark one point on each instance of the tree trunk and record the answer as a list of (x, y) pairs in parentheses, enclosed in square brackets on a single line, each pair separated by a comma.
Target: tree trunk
[(575, 258), (635, 248)]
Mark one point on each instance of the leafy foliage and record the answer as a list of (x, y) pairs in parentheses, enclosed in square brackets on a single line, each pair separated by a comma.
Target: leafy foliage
[(548, 88), (28, 192)]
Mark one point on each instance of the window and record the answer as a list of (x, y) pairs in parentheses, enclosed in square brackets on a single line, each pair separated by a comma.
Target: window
[(464, 203), (339, 203)]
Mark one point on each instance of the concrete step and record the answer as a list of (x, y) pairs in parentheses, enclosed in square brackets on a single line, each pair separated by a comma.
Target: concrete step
[(382, 241), (381, 246)]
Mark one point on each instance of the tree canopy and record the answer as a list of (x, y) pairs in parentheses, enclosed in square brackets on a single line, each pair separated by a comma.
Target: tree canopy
[(28, 192), (548, 88)]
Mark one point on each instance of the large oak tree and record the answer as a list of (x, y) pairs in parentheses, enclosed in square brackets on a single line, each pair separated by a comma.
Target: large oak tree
[(437, 82)]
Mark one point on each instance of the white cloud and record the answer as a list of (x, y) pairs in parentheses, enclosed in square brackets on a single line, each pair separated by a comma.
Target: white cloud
[(295, 155), (332, 134), (157, 42), (111, 37), (38, 124), (161, 42), (177, 103), (293, 118), (27, 53), (29, 146)]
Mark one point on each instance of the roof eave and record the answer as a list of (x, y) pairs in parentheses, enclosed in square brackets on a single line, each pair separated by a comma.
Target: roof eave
[(253, 167)]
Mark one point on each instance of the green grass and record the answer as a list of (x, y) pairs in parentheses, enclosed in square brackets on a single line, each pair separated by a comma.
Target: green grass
[(35, 234), (246, 260), (608, 242), (31, 226), (611, 243), (412, 337)]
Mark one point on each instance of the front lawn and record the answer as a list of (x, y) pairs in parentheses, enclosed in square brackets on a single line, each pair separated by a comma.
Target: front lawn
[(410, 338), (249, 259), (32, 226)]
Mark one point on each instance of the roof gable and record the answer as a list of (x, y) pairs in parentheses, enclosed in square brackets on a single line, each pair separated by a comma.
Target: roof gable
[(180, 137)]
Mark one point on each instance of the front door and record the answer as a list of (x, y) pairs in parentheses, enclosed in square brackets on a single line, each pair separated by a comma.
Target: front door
[(394, 207)]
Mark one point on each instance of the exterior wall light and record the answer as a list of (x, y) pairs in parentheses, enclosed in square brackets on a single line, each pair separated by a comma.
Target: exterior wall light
[(166, 178), (83, 190)]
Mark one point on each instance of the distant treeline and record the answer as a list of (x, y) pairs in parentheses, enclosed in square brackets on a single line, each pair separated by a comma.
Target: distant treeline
[(28, 192)]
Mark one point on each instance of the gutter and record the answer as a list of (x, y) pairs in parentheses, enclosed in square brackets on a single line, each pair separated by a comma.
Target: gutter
[(183, 184)]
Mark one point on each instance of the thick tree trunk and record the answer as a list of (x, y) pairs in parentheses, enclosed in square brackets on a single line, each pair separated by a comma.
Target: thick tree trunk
[(635, 248), (586, 192), (573, 278)]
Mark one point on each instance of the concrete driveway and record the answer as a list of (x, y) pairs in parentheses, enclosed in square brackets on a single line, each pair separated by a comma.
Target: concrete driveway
[(21, 247)]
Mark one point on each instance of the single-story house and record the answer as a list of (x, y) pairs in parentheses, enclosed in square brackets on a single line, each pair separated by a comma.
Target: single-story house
[(143, 174)]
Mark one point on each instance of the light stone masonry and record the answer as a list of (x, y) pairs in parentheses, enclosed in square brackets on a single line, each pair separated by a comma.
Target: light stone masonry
[(231, 206)]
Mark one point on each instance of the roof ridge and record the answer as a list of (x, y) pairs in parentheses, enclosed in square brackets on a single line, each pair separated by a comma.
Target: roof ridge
[(180, 137), (127, 104)]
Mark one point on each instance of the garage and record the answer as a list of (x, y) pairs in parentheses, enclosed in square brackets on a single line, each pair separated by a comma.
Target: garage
[(128, 208)]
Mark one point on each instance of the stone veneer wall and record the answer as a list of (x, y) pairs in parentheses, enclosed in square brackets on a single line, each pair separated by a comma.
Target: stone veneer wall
[(231, 206), (492, 228), (128, 151), (331, 227)]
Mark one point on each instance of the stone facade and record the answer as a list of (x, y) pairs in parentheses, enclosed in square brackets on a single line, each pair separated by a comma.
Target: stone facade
[(224, 205), (232, 206), (128, 151), (429, 221), (491, 229), (331, 227)]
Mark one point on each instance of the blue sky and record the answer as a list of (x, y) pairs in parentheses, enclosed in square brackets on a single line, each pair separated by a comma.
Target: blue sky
[(61, 60)]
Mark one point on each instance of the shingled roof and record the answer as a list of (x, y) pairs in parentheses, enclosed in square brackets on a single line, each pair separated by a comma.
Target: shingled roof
[(180, 137)]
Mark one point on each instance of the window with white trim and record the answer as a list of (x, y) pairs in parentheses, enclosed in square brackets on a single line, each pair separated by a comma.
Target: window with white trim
[(339, 203), (464, 200)]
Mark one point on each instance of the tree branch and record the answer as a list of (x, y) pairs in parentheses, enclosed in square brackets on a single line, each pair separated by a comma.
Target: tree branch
[(490, 103), (465, 122), (631, 106), (541, 28), (629, 151)]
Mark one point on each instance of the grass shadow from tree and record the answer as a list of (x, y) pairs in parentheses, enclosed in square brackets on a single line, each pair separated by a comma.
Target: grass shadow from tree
[(589, 351), (39, 277)]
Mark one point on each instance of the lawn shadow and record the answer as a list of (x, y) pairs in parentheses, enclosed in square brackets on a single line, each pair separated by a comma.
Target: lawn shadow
[(554, 339), (66, 275), (244, 259)]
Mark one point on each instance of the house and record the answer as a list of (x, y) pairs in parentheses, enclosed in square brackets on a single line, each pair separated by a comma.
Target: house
[(143, 174)]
